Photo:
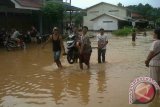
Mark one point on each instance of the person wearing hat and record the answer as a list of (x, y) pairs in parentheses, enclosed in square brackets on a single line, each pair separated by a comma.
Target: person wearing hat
[(57, 44)]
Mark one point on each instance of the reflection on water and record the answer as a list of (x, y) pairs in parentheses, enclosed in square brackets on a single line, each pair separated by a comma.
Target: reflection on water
[(155, 102), (30, 79), (101, 78)]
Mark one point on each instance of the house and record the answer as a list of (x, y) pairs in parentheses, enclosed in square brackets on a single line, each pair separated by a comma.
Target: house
[(139, 20), (28, 4), (107, 16), (22, 14)]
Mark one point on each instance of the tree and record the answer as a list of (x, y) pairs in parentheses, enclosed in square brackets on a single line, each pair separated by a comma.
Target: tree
[(54, 12), (120, 4), (146, 10), (149, 13), (158, 22), (79, 18)]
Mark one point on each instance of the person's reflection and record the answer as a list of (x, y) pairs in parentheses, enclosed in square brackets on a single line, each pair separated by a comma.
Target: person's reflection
[(73, 80), (133, 43), (84, 85), (78, 86), (101, 78), (58, 87), (155, 102)]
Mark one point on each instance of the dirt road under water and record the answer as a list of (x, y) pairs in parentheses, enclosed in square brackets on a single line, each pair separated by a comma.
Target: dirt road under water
[(30, 78)]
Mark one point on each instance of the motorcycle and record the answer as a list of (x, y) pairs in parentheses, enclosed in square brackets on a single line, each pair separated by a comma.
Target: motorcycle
[(2, 38), (72, 49), (10, 44), (27, 38), (41, 38)]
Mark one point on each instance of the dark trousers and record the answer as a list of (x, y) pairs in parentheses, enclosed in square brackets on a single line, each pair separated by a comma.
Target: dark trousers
[(101, 53)]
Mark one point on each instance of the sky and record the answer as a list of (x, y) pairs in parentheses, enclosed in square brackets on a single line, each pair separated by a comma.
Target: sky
[(87, 3)]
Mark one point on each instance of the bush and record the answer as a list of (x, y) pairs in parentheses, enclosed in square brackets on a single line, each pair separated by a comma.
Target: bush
[(123, 32)]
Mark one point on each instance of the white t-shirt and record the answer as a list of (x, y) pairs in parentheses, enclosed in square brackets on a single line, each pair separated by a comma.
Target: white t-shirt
[(155, 47), (15, 35), (102, 39)]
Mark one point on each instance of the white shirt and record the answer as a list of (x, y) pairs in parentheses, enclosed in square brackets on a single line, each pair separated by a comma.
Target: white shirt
[(102, 39), (15, 35)]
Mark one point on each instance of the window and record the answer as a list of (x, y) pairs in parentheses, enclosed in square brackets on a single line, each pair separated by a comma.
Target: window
[(107, 21), (94, 11), (113, 10)]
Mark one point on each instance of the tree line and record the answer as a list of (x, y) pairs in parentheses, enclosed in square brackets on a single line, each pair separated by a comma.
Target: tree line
[(147, 11)]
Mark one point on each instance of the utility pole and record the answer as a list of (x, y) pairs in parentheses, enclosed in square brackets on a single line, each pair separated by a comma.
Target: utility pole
[(70, 14)]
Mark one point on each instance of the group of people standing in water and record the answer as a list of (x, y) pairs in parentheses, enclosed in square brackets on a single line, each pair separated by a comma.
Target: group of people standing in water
[(83, 45)]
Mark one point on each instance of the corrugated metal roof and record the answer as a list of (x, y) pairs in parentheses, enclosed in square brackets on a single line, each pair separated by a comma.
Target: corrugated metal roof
[(30, 3), (39, 4)]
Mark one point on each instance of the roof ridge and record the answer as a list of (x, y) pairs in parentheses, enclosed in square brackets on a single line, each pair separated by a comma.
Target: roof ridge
[(107, 15), (104, 3)]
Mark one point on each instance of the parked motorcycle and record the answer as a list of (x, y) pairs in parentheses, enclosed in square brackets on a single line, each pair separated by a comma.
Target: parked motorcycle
[(41, 38), (27, 38), (2, 38), (72, 49)]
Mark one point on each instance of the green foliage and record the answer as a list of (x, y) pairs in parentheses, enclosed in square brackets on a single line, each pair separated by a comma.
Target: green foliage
[(120, 5), (158, 21), (79, 18), (146, 10), (53, 10), (76, 16), (123, 32)]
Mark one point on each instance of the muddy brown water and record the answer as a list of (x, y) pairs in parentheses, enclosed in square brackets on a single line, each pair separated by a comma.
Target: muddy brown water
[(29, 78)]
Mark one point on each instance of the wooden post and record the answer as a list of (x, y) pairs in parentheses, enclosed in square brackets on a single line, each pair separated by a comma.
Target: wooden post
[(70, 15), (40, 24), (6, 20)]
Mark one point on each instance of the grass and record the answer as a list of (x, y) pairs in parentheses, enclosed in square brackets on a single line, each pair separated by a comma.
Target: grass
[(123, 32)]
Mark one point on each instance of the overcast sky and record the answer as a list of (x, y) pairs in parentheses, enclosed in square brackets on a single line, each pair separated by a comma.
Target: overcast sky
[(87, 3)]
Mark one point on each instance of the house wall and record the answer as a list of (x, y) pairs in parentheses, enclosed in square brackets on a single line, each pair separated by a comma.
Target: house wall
[(87, 22), (108, 9), (105, 22), (54, 0), (103, 9)]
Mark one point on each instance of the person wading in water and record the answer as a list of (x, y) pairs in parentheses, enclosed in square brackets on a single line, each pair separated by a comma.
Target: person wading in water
[(57, 44), (85, 49)]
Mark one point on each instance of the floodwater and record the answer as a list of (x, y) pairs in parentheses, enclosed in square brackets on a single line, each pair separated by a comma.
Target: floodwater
[(29, 78)]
